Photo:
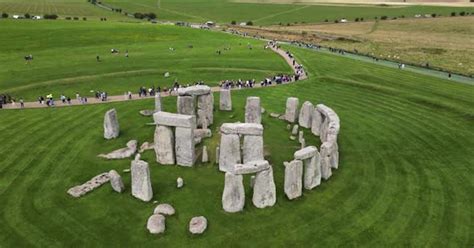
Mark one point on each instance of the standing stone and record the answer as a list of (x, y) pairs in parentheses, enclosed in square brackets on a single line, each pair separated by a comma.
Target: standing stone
[(111, 125), (217, 154), (197, 225), (303, 143), (252, 148), (186, 105), (294, 131), (305, 114), (300, 136), (233, 198), (225, 100), (312, 172), (229, 154), (179, 182), (264, 192), (253, 112), (206, 105), (293, 179), (291, 111), (288, 127), (164, 145), (184, 147), (116, 181), (316, 122), (141, 182), (156, 224), (205, 157), (158, 105)]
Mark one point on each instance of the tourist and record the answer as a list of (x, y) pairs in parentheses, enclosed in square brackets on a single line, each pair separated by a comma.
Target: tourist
[(68, 100), (22, 103), (97, 58)]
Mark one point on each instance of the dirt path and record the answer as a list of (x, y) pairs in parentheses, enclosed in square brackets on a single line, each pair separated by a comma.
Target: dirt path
[(120, 98)]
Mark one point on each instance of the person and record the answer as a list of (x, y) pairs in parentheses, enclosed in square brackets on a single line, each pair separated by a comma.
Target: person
[(126, 53), (69, 100), (22, 103), (98, 58), (449, 75)]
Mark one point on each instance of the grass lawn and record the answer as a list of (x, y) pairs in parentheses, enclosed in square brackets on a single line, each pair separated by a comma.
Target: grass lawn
[(65, 57), (405, 175)]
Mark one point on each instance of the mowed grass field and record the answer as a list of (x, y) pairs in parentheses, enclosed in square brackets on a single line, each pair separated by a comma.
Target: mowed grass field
[(405, 176), (65, 57), (225, 11)]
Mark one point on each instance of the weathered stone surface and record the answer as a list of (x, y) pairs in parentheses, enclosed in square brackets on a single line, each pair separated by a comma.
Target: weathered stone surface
[(316, 122), (147, 112), (252, 148), (197, 140), (205, 110), (225, 100), (251, 167), (205, 156), (274, 115), (111, 125), (233, 197), (292, 137), (158, 105), (293, 179), (122, 152), (179, 182), (195, 90), (95, 182), (253, 110), (330, 125), (303, 143), (312, 172), (304, 118), (291, 111), (184, 147), (264, 192), (306, 153), (164, 145), (300, 136), (242, 128), (262, 110), (229, 154), (186, 105), (329, 158), (156, 224), (218, 151), (288, 127), (294, 131), (202, 133), (141, 181), (164, 209), (146, 146), (198, 225), (174, 120), (116, 181)]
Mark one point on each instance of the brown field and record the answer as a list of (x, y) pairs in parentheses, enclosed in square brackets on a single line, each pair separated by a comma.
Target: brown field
[(442, 42)]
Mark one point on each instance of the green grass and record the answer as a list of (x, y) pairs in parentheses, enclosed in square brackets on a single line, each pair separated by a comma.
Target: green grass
[(225, 11), (65, 57), (405, 175)]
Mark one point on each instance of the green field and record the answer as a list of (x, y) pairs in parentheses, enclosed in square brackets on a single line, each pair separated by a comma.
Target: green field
[(405, 175), (65, 57), (225, 11)]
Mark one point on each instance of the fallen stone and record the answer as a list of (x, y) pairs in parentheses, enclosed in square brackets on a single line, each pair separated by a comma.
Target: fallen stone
[(294, 131), (264, 192), (229, 154), (242, 128), (274, 115), (122, 152), (95, 182), (305, 153), (252, 148), (147, 112), (198, 225), (116, 181), (292, 137), (141, 181), (126, 170), (164, 209), (156, 224), (293, 179), (251, 167), (179, 182), (253, 110), (111, 125), (304, 118), (225, 100), (174, 120), (146, 146), (262, 111), (164, 145), (288, 127), (233, 197), (291, 111)]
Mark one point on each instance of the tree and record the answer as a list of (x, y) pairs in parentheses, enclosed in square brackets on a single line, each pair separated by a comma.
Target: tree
[(453, 13), (357, 19), (433, 15), (249, 23), (138, 15), (383, 17), (151, 15), (27, 16), (233, 22), (4, 15), (462, 13)]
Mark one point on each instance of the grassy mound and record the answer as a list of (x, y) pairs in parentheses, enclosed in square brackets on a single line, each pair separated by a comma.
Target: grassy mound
[(404, 179)]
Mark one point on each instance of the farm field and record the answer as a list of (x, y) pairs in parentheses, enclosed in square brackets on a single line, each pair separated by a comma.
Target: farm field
[(224, 11), (405, 175), (442, 42), (65, 57)]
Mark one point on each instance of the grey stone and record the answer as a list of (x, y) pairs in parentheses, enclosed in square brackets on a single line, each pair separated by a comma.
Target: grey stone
[(116, 181), (147, 112), (264, 192), (225, 100), (274, 115), (291, 111), (329, 158), (164, 145), (202, 133), (205, 156), (294, 131), (300, 136), (179, 182), (122, 152), (141, 181), (293, 179), (233, 197), (288, 127), (156, 224), (186, 105), (312, 172), (146, 146), (185, 154), (158, 105), (197, 225), (331, 124), (242, 128), (217, 154), (306, 153), (111, 125), (316, 122), (206, 106), (303, 143), (305, 114), (262, 111), (252, 148), (95, 182), (251, 167), (195, 90), (164, 209), (252, 181), (253, 110), (174, 120), (229, 154), (292, 137)]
